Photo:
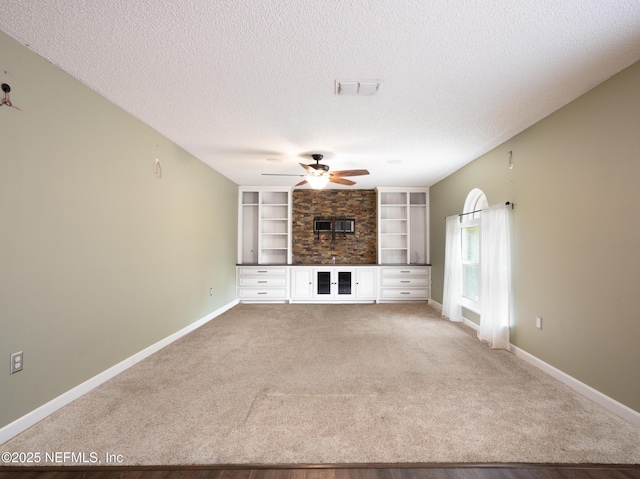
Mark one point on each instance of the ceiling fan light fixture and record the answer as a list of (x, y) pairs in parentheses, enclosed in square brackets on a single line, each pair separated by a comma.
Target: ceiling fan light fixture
[(317, 182)]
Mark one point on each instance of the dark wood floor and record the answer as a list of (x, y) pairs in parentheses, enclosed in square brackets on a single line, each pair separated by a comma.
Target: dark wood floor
[(323, 472)]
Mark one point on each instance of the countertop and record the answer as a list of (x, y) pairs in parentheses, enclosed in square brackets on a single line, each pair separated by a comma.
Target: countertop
[(332, 264)]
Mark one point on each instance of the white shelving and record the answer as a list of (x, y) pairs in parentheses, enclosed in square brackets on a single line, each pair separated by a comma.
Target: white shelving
[(264, 235), (403, 236), (265, 272)]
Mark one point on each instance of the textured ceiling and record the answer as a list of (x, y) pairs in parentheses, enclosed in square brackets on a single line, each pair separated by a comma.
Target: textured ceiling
[(235, 82)]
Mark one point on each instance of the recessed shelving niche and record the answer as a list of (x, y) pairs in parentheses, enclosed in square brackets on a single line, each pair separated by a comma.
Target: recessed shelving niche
[(265, 226), (403, 226)]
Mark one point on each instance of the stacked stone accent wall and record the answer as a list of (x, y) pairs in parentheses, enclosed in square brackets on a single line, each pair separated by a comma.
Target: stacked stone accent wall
[(358, 248)]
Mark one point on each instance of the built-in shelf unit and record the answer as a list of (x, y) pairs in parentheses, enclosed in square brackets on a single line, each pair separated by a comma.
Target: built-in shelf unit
[(264, 225), (403, 226)]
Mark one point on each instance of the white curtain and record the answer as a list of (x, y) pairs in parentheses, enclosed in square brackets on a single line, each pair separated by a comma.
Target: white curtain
[(452, 270), (495, 276)]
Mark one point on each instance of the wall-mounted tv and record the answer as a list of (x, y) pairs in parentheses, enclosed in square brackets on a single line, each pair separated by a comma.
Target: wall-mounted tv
[(334, 225), (322, 225)]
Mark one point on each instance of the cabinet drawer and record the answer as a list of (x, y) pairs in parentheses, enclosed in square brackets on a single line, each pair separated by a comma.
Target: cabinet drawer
[(409, 271), (418, 293), (264, 281), (413, 281), (257, 271), (255, 293)]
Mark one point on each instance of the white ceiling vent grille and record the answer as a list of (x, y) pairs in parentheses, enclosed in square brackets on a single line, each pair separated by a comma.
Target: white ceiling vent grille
[(357, 88)]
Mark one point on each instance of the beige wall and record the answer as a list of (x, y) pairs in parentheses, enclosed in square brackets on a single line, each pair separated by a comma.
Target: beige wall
[(576, 232), (98, 258)]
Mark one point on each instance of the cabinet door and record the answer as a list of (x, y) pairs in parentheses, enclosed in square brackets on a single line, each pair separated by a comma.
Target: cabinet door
[(301, 283), (333, 283), (323, 283), (344, 280), (366, 283)]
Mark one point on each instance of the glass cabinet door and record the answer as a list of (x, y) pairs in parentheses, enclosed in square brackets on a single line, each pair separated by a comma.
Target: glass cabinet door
[(323, 282), (344, 282)]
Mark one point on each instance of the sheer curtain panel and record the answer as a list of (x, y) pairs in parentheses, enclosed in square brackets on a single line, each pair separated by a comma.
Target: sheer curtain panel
[(452, 270), (495, 274)]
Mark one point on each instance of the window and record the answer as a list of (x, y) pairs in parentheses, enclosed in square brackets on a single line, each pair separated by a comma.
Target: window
[(470, 234)]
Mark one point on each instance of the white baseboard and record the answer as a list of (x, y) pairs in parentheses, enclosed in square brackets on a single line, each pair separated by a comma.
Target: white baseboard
[(596, 396), (470, 323), (465, 321), (436, 305), (25, 422)]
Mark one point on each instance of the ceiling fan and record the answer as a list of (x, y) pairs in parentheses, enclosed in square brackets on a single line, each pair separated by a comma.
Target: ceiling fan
[(318, 175)]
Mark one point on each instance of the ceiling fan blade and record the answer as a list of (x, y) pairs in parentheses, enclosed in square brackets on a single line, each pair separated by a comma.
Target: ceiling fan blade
[(310, 169), (303, 182), (341, 181), (278, 174), (350, 172)]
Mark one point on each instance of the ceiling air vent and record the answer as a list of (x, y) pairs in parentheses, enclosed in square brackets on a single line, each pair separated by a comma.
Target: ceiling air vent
[(357, 88)]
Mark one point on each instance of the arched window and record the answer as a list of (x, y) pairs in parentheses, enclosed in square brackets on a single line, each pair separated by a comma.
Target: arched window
[(473, 205), (470, 224)]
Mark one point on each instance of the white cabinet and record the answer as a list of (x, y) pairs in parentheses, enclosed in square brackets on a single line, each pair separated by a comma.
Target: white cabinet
[(264, 225), (411, 283), (301, 283), (333, 284), (366, 284), (262, 284), (403, 226)]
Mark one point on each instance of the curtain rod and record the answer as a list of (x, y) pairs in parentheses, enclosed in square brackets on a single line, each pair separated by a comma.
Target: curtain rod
[(478, 211)]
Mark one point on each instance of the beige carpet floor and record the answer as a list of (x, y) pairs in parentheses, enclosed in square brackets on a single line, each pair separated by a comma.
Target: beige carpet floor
[(310, 384)]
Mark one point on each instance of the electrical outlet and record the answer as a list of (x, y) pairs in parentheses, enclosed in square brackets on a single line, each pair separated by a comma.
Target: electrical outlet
[(210, 291), (539, 322), (16, 362)]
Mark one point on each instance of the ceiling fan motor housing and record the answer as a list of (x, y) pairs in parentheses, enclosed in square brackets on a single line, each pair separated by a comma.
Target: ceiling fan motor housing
[(318, 166)]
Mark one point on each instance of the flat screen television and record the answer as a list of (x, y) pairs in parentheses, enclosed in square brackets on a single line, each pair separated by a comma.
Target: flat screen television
[(345, 226), (322, 225), (334, 225)]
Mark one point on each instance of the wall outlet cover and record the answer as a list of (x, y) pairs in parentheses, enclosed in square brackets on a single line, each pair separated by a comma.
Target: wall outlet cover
[(16, 362)]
